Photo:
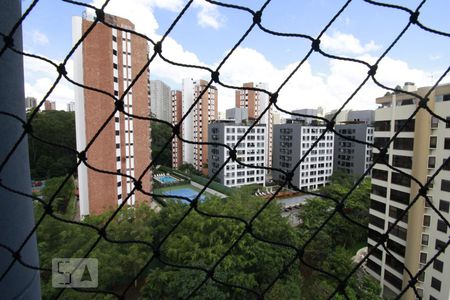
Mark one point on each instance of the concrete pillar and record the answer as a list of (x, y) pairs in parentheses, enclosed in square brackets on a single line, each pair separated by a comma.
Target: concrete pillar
[(16, 212), (415, 214)]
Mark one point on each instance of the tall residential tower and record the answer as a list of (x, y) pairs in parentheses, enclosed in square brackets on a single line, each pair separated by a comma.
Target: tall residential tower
[(421, 147), (195, 125), (109, 59)]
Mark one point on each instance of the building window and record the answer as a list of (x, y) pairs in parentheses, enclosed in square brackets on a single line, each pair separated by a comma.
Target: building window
[(404, 143), (434, 122), (397, 213), (426, 220), (445, 185), (447, 143), (438, 245), (379, 174), (409, 125), (400, 197), (379, 190), (378, 222), (423, 258), (444, 206), (441, 226), (402, 161), (380, 141), (436, 284), (378, 206), (382, 125), (396, 247), (431, 162), (433, 142), (438, 265), (400, 179), (373, 266), (392, 279), (425, 239)]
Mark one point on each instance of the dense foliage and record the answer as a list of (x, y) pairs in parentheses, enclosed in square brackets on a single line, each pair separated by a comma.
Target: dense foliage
[(161, 133), (200, 241), (57, 127), (334, 246)]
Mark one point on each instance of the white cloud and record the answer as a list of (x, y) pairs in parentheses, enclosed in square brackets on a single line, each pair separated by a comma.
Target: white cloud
[(307, 88), (209, 15), (40, 76), (39, 38), (346, 43)]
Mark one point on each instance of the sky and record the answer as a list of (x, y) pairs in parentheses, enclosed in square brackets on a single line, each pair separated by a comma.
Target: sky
[(207, 32)]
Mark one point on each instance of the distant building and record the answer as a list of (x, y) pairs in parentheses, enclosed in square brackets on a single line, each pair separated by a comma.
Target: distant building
[(422, 146), (276, 118), (341, 117), (250, 151), (291, 142), (239, 115), (49, 105), (160, 100), (256, 102), (307, 112), (71, 106), (177, 114), (349, 156), (195, 125), (30, 103), (222, 115), (123, 145)]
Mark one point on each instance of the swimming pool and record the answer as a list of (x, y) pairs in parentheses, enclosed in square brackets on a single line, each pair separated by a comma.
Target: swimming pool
[(184, 192), (166, 179)]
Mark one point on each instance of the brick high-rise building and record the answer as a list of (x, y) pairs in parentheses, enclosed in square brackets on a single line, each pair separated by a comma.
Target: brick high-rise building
[(176, 114), (256, 102), (419, 149), (195, 125), (109, 59)]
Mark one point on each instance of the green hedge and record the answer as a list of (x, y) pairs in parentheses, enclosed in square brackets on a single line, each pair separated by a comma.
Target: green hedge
[(213, 185)]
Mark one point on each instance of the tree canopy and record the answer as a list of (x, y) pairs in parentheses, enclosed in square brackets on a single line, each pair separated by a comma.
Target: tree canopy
[(161, 133), (202, 239), (57, 127)]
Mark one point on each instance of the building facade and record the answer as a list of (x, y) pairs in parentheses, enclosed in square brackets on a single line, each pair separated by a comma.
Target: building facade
[(160, 96), (49, 105), (123, 144), (30, 103), (71, 106), (251, 150), (195, 125), (349, 156), (291, 142), (177, 114), (256, 102), (420, 148)]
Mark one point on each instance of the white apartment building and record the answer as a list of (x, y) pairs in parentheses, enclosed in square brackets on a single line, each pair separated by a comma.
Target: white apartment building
[(256, 102), (160, 100), (251, 150), (419, 150), (291, 142)]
